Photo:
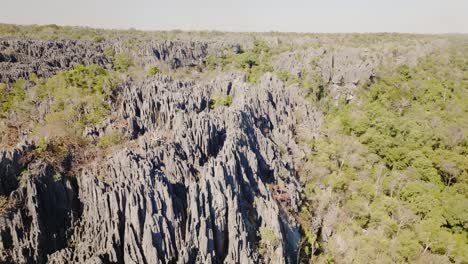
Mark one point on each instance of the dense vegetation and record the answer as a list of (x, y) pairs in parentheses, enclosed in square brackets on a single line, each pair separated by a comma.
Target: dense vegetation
[(55, 112), (75, 98), (254, 62), (390, 174), (218, 101)]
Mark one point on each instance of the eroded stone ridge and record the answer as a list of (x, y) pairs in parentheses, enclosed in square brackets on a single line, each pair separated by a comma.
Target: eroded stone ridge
[(194, 185), (19, 58)]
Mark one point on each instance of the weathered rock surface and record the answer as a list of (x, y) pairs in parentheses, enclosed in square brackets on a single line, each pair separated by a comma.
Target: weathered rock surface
[(194, 185), (343, 69), (43, 208), (175, 54), (10, 168), (197, 185), (20, 58)]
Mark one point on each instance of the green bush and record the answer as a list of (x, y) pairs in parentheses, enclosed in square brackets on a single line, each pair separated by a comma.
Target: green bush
[(405, 73), (79, 96), (109, 52), (260, 47), (98, 39), (269, 241), (3, 94), (122, 62), (247, 60), (153, 70), (283, 76), (254, 62), (10, 99), (211, 62), (113, 138), (218, 101)]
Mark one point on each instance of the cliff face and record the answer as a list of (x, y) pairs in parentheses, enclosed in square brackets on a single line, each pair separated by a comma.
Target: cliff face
[(195, 183)]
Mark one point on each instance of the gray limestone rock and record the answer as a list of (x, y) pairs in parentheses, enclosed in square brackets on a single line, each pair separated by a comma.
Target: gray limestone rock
[(194, 185), (44, 206), (20, 58), (202, 193)]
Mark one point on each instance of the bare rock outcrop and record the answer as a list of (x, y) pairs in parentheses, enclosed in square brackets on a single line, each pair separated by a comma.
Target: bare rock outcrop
[(197, 186), (173, 53), (42, 208), (207, 163), (20, 58), (194, 185)]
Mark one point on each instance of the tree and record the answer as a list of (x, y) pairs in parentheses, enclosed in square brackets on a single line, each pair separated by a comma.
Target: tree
[(122, 62)]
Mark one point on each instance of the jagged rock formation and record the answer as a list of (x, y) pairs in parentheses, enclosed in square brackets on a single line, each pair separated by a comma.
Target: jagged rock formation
[(20, 58), (202, 191), (194, 184), (175, 54), (44, 209), (10, 168), (343, 69)]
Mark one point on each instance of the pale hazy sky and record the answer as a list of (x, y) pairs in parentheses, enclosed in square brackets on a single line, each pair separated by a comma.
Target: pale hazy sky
[(420, 16)]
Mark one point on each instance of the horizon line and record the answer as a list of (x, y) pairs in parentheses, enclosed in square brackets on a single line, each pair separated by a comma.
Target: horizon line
[(200, 30)]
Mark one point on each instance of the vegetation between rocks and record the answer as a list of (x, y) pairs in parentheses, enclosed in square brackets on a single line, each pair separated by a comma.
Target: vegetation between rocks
[(390, 176), (217, 101)]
